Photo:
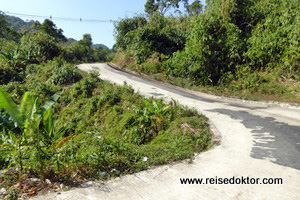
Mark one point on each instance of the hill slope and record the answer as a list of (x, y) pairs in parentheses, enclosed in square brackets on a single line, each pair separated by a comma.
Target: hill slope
[(18, 24)]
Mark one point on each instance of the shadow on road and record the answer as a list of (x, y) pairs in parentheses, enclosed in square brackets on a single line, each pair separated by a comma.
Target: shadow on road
[(273, 140)]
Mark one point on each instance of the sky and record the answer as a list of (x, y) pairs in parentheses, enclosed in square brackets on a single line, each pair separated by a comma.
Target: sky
[(102, 33)]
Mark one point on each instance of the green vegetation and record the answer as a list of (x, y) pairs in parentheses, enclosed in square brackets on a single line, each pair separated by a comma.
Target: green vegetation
[(28, 132), (95, 127), (162, 6), (59, 124), (248, 49), (92, 112)]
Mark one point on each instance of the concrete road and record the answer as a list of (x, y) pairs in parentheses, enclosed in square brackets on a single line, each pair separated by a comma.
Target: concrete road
[(258, 140)]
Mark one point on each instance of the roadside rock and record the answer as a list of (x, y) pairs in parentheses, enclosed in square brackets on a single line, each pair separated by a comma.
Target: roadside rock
[(3, 191)]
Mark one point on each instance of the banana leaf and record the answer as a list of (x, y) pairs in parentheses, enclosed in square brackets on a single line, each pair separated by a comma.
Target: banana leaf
[(51, 101), (8, 104)]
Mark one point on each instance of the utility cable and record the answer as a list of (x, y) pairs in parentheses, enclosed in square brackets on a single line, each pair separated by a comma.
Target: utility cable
[(61, 18)]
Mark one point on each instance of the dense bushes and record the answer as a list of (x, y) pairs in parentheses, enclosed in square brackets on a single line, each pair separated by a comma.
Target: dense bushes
[(65, 74), (212, 50), (123, 29), (229, 44), (39, 47), (100, 127), (275, 41), (44, 43), (18, 54), (215, 44), (143, 38), (80, 51)]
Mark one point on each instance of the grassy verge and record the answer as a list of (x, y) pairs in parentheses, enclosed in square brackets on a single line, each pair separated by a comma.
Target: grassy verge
[(109, 131), (257, 86)]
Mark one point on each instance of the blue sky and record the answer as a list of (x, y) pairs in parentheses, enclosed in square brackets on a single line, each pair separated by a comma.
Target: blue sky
[(85, 9)]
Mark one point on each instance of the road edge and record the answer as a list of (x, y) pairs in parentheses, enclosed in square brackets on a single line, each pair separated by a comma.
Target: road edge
[(216, 134), (144, 76)]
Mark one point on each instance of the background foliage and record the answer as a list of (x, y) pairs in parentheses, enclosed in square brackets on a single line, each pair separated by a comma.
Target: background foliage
[(233, 47)]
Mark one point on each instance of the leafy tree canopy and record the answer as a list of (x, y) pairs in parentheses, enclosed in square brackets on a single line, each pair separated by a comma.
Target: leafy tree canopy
[(162, 6), (195, 8), (50, 28)]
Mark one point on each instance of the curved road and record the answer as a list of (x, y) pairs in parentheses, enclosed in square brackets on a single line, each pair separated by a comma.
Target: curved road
[(258, 140)]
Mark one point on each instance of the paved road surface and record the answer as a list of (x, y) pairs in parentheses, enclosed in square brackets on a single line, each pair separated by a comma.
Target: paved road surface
[(258, 140)]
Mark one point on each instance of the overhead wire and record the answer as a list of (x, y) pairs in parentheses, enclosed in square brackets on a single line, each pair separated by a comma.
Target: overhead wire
[(61, 18)]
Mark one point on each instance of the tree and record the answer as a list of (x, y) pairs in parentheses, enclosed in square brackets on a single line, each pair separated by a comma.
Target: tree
[(50, 28), (86, 40), (195, 8), (36, 25), (123, 29), (159, 35), (214, 48), (39, 47), (150, 7), (81, 50), (162, 6)]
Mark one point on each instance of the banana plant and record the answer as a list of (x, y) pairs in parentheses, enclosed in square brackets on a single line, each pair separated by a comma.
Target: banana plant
[(30, 124), (151, 119)]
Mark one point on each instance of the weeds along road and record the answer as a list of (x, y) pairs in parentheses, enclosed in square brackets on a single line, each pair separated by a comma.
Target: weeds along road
[(258, 140)]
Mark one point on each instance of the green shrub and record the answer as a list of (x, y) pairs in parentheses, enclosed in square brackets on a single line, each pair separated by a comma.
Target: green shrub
[(276, 38), (15, 89), (65, 74), (148, 122), (38, 47), (7, 75), (97, 154), (80, 51), (29, 132), (213, 49), (123, 29), (84, 88), (159, 35)]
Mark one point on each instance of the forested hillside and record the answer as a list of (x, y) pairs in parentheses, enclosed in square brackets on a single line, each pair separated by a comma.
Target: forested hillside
[(244, 48), (18, 24)]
